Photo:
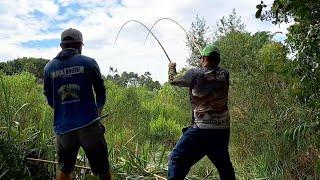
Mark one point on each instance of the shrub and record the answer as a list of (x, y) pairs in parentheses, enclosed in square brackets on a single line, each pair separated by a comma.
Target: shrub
[(164, 130), (12, 160)]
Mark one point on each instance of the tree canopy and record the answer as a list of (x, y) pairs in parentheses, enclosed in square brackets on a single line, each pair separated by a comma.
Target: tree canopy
[(132, 79), (303, 40), (31, 65)]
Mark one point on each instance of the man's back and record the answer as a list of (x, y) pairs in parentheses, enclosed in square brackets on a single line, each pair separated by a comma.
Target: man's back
[(209, 98), (209, 89), (68, 82), (208, 95)]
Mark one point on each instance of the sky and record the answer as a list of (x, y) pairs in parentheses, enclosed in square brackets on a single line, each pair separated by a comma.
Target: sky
[(32, 28)]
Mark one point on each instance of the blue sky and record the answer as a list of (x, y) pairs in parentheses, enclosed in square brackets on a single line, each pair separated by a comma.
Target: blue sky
[(64, 11), (31, 28)]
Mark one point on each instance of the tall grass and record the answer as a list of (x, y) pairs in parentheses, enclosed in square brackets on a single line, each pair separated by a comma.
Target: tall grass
[(271, 133), (6, 107), (18, 142)]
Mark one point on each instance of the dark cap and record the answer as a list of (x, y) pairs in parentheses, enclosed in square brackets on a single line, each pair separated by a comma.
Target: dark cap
[(71, 35)]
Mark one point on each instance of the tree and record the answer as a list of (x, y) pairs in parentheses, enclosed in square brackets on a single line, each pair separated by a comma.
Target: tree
[(303, 41), (238, 47), (203, 36), (201, 33), (31, 65), (229, 24), (132, 79)]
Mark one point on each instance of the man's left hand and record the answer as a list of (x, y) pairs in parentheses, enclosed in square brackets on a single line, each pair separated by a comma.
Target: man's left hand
[(172, 65)]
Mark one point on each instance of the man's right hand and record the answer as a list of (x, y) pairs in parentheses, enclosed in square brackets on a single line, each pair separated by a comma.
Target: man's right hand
[(172, 65)]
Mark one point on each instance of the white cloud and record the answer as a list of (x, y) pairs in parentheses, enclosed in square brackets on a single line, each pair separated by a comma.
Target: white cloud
[(99, 21), (18, 24)]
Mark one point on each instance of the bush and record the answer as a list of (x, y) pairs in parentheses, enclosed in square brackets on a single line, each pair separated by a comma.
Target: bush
[(12, 160), (164, 130)]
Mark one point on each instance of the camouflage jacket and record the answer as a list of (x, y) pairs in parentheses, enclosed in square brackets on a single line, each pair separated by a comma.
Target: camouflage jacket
[(208, 89)]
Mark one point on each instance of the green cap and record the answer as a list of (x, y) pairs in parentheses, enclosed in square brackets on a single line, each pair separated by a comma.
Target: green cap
[(209, 49), (73, 34)]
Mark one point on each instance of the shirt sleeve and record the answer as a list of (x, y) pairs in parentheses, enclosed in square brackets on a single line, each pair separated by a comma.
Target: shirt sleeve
[(47, 88), (98, 85), (182, 80)]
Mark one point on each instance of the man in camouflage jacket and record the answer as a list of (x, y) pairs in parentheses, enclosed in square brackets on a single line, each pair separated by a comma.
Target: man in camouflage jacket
[(208, 134)]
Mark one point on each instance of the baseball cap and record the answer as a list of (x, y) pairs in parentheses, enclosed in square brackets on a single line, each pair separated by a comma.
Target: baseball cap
[(209, 49), (71, 35)]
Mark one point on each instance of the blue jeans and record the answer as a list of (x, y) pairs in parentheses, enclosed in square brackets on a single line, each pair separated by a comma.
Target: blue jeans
[(194, 145)]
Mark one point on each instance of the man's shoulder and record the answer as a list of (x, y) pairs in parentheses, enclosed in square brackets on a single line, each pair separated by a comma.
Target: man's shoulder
[(223, 70), (196, 70), (50, 64), (86, 59)]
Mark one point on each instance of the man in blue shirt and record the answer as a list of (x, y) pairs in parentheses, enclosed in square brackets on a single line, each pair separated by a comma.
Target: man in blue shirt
[(69, 81), (208, 134)]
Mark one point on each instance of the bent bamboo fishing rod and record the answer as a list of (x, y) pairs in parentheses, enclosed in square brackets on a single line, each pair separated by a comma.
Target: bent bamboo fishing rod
[(148, 31), (190, 37)]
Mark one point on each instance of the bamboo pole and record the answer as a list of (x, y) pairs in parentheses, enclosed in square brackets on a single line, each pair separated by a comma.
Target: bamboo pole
[(190, 37), (160, 177), (55, 162), (148, 31), (77, 166)]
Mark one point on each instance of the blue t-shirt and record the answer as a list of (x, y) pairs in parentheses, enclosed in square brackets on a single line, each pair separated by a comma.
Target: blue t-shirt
[(69, 80)]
